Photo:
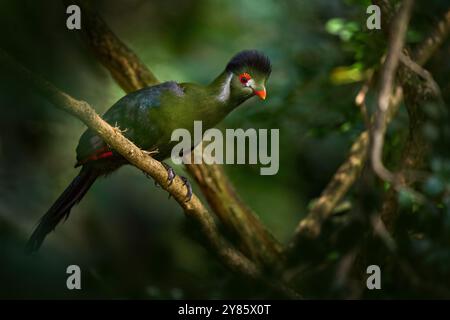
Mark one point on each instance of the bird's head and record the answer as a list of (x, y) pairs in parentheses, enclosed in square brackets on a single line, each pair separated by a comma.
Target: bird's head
[(249, 71)]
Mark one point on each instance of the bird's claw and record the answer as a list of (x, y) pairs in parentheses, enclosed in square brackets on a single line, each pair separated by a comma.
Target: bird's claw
[(171, 176), (188, 187), (170, 173)]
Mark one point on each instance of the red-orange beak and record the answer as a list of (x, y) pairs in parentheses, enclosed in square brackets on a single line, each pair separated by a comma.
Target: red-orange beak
[(260, 93)]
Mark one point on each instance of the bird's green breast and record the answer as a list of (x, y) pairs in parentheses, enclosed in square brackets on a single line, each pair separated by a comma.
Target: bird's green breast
[(150, 115), (180, 112)]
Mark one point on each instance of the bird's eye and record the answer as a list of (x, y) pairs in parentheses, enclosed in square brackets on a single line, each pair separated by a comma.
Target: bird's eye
[(244, 78)]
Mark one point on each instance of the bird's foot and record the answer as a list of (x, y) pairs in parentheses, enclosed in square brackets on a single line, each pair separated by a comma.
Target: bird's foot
[(170, 173), (171, 176), (188, 188)]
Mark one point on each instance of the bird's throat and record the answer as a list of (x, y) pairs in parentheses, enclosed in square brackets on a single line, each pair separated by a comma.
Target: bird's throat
[(220, 88), (219, 99), (224, 94)]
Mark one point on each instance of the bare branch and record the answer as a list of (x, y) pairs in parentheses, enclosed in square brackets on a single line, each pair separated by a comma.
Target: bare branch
[(388, 72)]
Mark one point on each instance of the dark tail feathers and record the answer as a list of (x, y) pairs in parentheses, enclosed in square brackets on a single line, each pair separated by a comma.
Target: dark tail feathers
[(61, 208)]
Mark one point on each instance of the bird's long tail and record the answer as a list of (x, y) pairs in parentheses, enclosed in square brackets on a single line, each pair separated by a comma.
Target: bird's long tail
[(61, 208)]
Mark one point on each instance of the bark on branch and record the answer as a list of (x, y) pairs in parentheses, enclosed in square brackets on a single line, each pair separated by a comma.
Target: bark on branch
[(419, 88), (131, 74), (387, 78)]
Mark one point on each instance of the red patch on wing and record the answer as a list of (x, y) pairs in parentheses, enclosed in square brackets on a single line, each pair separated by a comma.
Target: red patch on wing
[(105, 155), (99, 154)]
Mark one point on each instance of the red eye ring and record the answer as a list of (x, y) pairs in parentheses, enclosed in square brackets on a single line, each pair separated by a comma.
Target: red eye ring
[(244, 78)]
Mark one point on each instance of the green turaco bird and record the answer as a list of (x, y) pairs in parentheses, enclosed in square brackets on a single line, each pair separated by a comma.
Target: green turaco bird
[(148, 117)]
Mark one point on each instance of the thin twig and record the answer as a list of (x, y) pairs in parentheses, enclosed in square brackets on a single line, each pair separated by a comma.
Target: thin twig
[(423, 73), (388, 73)]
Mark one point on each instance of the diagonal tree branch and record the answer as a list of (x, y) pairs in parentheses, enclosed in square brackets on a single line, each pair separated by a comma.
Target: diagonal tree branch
[(131, 74), (125, 66), (193, 209), (310, 226), (416, 94)]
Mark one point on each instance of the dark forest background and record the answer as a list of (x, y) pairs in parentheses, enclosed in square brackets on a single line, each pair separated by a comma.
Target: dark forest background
[(128, 238)]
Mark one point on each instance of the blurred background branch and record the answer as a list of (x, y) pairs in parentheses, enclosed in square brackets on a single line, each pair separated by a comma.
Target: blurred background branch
[(309, 227), (387, 80)]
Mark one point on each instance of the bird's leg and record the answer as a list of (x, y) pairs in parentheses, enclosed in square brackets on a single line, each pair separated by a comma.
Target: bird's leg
[(188, 187), (170, 173)]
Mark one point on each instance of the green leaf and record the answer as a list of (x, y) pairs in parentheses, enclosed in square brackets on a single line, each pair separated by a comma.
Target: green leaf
[(335, 25)]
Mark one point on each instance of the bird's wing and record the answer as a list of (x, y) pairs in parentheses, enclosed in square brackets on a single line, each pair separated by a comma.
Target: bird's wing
[(131, 115)]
